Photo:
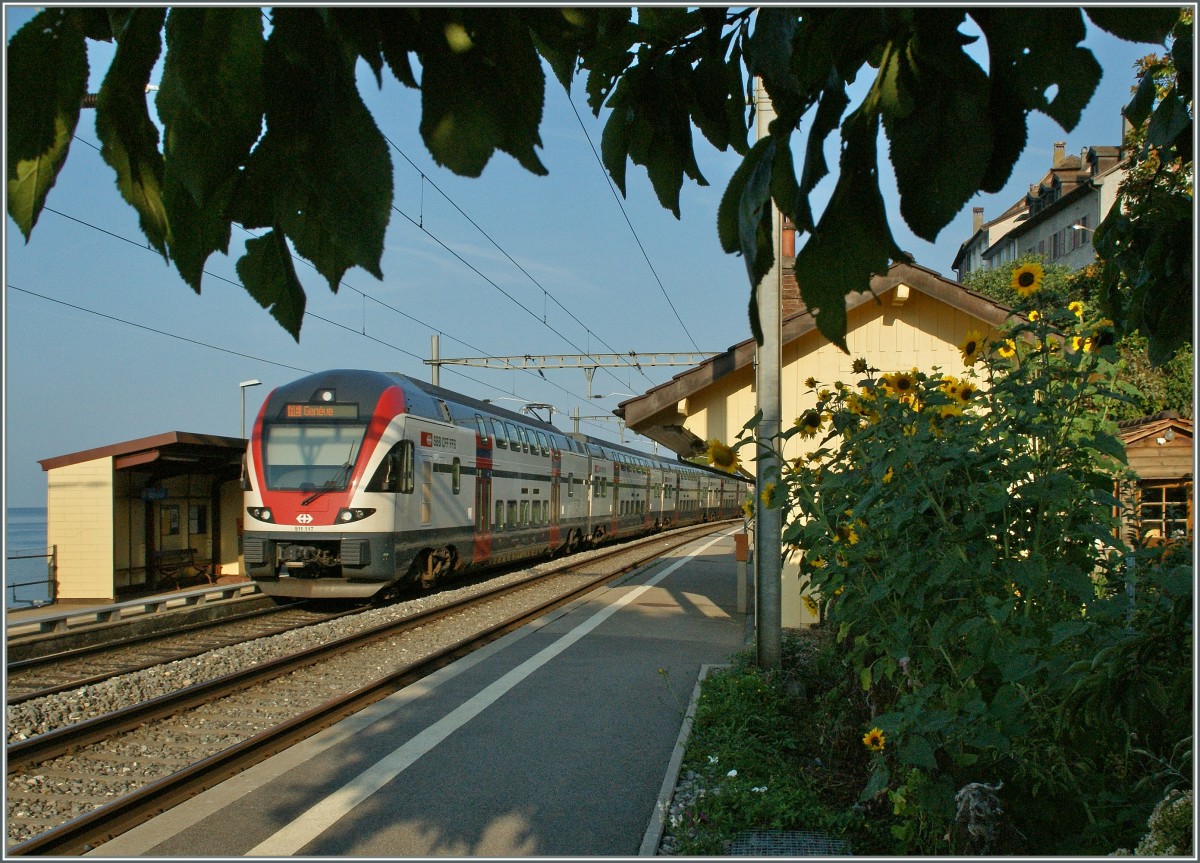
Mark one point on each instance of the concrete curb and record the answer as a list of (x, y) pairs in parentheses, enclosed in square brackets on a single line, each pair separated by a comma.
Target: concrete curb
[(658, 820)]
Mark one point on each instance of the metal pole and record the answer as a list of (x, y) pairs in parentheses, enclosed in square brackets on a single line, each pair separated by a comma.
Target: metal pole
[(434, 356), (768, 562)]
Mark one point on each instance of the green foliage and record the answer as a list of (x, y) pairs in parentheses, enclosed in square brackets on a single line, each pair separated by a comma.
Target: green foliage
[(1145, 388), (1146, 241), (755, 762), (269, 131), (962, 533)]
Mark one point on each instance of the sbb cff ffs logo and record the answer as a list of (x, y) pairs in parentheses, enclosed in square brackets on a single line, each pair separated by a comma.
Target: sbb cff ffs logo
[(429, 439), (304, 518)]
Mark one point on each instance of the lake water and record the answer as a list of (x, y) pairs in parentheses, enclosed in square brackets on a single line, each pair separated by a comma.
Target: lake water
[(25, 532)]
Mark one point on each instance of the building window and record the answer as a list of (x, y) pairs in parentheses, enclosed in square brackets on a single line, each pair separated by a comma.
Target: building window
[(1164, 512)]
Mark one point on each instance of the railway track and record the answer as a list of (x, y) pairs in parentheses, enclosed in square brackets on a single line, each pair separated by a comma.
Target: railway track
[(73, 788), (28, 679)]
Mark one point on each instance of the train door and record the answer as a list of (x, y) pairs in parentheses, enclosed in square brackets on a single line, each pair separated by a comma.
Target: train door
[(483, 493)]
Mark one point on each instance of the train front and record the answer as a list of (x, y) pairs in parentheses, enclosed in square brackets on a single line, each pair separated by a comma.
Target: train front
[(314, 526)]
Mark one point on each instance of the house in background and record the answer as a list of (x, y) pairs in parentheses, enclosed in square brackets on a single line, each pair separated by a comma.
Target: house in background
[(1076, 190), (1159, 450), (912, 317)]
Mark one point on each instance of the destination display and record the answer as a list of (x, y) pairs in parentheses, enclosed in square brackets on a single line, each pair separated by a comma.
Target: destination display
[(321, 412)]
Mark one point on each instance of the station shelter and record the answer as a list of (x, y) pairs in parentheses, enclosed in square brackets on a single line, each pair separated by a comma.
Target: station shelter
[(911, 317), (156, 513)]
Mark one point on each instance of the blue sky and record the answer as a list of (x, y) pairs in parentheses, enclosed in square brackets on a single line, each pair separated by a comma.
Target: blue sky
[(76, 380)]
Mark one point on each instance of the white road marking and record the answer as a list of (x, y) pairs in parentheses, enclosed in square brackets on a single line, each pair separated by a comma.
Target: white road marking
[(308, 826)]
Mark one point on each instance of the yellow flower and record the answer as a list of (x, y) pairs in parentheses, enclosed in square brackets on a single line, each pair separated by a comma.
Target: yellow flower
[(846, 533), (1034, 314), (859, 366), (811, 383), (811, 605), (748, 508), (874, 740), (1076, 308), (966, 391), (888, 474), (809, 422), (1007, 349), (949, 411), (972, 347), (901, 384), (825, 395), (767, 493), (722, 456), (1027, 279)]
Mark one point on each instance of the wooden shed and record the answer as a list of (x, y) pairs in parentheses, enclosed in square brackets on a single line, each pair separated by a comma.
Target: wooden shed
[(1159, 450)]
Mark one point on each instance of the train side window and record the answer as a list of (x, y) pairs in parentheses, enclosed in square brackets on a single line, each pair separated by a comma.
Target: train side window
[(525, 438), (444, 410), (499, 520), (483, 433), (524, 512), (497, 433), (512, 512), (542, 442), (570, 485), (456, 476), (513, 441), (395, 473)]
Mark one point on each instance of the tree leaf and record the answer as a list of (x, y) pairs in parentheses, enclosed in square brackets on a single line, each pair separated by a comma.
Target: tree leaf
[(852, 241), (1135, 23), (268, 274), (934, 108), (47, 79), (482, 89), (322, 173), (129, 137)]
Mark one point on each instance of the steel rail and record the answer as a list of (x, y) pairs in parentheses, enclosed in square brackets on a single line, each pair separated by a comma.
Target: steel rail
[(85, 832)]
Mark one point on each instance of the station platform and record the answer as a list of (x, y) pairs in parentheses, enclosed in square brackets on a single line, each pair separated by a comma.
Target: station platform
[(560, 739)]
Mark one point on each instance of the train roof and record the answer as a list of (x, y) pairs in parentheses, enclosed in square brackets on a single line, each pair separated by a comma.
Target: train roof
[(421, 399)]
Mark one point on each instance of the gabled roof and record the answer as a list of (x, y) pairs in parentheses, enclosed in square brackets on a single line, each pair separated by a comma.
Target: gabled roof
[(1132, 431), (741, 355)]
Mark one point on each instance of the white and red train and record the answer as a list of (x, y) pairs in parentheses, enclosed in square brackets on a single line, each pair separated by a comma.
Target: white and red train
[(359, 482)]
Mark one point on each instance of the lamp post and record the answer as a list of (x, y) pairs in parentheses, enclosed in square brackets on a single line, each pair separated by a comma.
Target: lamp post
[(244, 385)]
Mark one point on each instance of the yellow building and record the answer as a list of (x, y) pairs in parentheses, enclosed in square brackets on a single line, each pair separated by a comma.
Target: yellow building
[(913, 317)]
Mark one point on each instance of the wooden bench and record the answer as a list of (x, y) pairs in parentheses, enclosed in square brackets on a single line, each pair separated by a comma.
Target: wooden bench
[(179, 566)]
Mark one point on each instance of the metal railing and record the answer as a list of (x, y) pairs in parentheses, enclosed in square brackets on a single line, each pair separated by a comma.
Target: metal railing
[(22, 570)]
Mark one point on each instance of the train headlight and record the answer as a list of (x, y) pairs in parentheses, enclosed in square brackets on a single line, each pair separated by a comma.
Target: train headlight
[(259, 512), (358, 513)]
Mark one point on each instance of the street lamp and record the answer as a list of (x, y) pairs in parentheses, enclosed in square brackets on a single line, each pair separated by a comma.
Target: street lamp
[(1083, 228), (244, 385)]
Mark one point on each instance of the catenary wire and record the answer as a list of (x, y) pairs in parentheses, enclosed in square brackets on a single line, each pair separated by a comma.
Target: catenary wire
[(632, 230)]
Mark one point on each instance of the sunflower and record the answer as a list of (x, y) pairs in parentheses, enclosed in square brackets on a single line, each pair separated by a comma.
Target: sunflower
[(901, 384), (888, 474), (972, 347), (951, 386), (1034, 314), (874, 740), (1007, 349), (846, 533), (748, 508), (722, 456), (809, 422), (810, 382), (811, 605), (944, 411), (966, 391), (768, 494), (1027, 279), (1076, 309), (859, 366)]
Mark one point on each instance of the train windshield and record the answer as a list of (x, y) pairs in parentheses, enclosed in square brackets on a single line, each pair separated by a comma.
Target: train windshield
[(310, 457)]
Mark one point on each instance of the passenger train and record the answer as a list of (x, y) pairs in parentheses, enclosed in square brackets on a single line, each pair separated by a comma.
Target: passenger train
[(358, 483)]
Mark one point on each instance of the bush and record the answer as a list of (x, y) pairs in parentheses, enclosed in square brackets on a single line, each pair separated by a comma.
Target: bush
[(961, 532)]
